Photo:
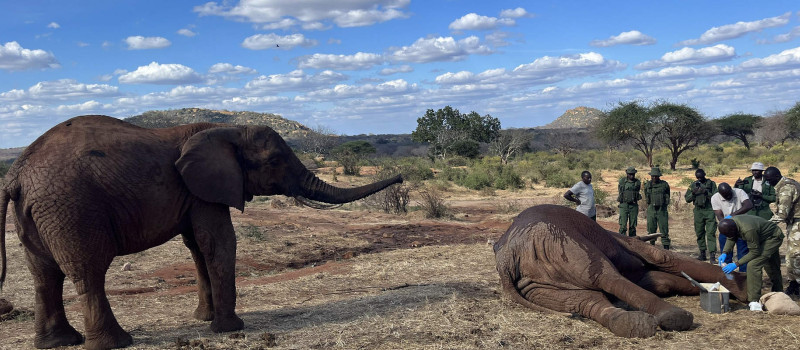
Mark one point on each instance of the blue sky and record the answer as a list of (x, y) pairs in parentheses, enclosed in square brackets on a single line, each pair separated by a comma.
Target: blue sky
[(375, 66)]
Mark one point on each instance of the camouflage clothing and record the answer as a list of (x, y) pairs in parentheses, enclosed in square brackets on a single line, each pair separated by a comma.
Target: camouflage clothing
[(760, 205), (787, 211), (705, 222), (656, 195), (628, 198), (764, 240)]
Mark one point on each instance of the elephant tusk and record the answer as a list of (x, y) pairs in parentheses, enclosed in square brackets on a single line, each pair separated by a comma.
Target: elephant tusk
[(314, 204), (649, 237)]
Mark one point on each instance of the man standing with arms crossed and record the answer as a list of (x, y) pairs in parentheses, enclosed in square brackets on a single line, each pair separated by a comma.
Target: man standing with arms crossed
[(656, 194), (705, 224), (629, 195), (787, 211)]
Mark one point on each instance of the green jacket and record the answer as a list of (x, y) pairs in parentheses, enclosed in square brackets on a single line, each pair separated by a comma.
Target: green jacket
[(701, 201), (629, 191), (767, 193), (755, 231), (656, 194)]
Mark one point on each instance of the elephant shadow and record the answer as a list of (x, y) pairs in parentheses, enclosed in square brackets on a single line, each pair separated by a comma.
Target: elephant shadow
[(293, 318)]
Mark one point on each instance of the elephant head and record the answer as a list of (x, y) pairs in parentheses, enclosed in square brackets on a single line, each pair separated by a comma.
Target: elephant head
[(230, 165)]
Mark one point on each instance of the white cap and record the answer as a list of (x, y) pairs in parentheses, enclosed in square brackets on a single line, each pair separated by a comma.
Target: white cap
[(757, 166)]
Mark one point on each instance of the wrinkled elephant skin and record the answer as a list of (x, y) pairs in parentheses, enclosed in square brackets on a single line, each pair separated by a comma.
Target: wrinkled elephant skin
[(555, 259), (95, 187)]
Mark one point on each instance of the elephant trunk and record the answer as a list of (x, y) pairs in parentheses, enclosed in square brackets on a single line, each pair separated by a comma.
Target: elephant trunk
[(315, 189)]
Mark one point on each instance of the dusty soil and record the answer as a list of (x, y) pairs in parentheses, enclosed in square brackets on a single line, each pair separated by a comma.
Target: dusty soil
[(355, 278)]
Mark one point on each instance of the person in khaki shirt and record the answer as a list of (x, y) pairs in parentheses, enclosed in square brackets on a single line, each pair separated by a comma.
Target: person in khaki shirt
[(787, 210), (764, 239)]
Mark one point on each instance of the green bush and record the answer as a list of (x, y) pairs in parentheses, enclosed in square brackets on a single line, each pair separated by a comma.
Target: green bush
[(476, 179), (466, 148), (600, 195), (718, 169), (508, 179)]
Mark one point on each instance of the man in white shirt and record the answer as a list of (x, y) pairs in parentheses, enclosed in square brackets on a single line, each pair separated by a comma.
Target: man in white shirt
[(582, 194), (727, 203)]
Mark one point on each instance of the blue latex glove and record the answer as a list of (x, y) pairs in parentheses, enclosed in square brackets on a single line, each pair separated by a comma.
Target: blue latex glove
[(722, 258), (728, 217), (729, 268)]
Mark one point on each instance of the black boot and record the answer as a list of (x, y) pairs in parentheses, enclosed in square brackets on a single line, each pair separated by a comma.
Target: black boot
[(712, 257), (793, 289), (666, 247), (702, 256)]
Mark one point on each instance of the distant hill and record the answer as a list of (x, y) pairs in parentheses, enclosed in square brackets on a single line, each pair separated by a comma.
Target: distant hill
[(579, 117), (288, 129)]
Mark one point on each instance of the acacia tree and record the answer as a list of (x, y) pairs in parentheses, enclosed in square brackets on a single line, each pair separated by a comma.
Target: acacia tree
[(319, 140), (772, 130), (630, 123), (350, 154), (447, 127), (509, 143), (683, 128), (792, 120), (739, 126)]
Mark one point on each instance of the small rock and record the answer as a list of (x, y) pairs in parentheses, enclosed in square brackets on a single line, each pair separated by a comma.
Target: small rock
[(348, 255), (5, 306), (126, 267), (416, 244), (490, 241), (269, 339), (388, 235)]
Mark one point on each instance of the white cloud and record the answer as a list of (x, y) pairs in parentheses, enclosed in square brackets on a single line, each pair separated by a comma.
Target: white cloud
[(738, 29), (683, 72), (358, 61), (394, 70), (186, 32), (383, 90), (63, 89), (633, 37), (549, 68), (518, 12), (688, 55), (144, 43), (53, 25), (473, 21), (14, 57), (296, 80), (440, 49), (156, 73), (82, 108), (784, 60), (313, 13), (786, 37), (227, 68), (274, 41)]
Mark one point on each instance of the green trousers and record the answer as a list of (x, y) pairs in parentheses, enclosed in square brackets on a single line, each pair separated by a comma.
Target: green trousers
[(628, 218), (764, 213), (658, 218), (705, 228), (769, 260)]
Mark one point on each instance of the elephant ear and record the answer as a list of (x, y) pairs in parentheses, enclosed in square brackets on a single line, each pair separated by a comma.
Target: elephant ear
[(209, 165)]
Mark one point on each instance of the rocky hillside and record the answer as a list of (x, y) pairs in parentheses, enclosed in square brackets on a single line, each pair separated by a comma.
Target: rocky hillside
[(162, 119), (580, 117)]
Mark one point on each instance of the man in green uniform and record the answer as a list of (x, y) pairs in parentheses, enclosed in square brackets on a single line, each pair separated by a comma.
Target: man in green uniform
[(761, 193), (629, 195), (705, 223), (787, 210), (764, 239), (656, 194)]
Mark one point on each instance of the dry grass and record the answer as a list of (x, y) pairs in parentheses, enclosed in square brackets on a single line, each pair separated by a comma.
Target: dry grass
[(354, 279)]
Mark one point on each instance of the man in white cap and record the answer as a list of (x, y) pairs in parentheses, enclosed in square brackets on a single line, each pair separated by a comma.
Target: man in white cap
[(761, 193)]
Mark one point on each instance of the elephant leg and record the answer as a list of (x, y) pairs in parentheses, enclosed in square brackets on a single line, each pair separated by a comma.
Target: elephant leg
[(668, 316), (205, 305), (664, 284), (50, 320), (595, 305), (102, 329), (216, 240)]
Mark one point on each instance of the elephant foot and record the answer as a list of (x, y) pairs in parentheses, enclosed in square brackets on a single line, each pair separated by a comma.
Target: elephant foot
[(109, 340), (65, 336), (633, 324), (204, 314), (675, 319), (228, 324)]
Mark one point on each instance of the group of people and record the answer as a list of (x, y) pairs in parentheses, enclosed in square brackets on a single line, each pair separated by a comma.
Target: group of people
[(740, 212)]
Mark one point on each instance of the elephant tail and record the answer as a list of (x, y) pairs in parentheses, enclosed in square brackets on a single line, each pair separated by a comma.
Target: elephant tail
[(5, 197)]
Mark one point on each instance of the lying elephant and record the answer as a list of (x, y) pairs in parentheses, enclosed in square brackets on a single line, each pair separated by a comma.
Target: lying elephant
[(95, 187), (555, 259)]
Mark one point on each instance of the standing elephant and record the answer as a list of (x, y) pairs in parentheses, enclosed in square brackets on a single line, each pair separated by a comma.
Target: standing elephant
[(553, 258), (95, 187)]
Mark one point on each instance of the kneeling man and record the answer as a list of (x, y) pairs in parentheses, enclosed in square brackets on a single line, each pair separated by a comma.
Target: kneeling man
[(763, 239)]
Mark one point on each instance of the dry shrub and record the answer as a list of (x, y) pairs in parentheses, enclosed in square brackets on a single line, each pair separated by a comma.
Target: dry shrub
[(432, 203), (392, 200)]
